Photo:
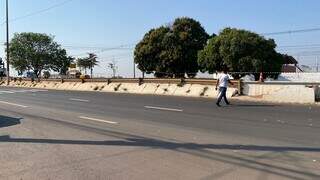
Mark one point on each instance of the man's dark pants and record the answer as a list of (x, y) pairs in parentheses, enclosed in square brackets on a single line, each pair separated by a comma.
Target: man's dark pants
[(222, 94)]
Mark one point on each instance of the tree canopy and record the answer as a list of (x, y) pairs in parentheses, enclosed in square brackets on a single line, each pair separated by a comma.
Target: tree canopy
[(88, 62), (240, 51), (171, 50), (62, 62), (36, 52)]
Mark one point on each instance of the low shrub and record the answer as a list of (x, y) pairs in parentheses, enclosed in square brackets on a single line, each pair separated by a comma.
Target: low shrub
[(117, 87), (205, 89)]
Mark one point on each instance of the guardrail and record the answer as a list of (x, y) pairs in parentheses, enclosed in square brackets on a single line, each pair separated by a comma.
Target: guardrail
[(283, 83), (137, 80)]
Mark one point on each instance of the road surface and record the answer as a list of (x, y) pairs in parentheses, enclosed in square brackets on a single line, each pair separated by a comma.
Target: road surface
[(87, 135)]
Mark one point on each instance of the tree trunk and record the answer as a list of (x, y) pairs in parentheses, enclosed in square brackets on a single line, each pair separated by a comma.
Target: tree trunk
[(91, 73), (36, 73)]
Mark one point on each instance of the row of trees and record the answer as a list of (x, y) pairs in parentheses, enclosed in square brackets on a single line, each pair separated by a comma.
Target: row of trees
[(88, 63), (39, 53), (184, 48), (180, 49)]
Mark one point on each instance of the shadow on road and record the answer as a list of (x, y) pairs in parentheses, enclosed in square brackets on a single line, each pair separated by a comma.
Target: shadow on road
[(253, 105), (161, 144), (6, 121), (200, 150)]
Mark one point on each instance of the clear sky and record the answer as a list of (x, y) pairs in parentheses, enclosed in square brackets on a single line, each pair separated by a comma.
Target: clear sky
[(83, 26)]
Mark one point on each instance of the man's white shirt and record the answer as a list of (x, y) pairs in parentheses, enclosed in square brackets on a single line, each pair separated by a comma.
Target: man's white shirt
[(223, 80)]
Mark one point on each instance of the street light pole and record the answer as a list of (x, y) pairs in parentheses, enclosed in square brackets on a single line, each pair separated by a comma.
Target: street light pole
[(8, 51)]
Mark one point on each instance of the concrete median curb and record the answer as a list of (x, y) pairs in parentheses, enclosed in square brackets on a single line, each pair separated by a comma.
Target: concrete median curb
[(262, 92), (168, 89)]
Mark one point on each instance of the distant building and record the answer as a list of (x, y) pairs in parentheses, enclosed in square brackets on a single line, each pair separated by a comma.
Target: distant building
[(290, 65), (73, 72)]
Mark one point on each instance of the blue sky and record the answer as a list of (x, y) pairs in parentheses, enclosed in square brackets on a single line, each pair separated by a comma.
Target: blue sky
[(111, 23)]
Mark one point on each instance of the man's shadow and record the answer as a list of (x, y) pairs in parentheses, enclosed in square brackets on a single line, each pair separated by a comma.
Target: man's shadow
[(6, 121), (253, 105)]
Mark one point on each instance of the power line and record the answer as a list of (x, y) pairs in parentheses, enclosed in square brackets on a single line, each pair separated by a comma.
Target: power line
[(291, 32), (307, 53), (37, 12), (298, 46), (297, 49), (106, 49), (83, 46), (118, 55), (97, 47)]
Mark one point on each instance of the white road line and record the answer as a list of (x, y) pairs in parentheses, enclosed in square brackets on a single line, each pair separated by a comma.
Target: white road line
[(13, 104), (163, 109), (80, 100), (8, 92), (98, 120), (38, 90), (17, 91), (21, 91)]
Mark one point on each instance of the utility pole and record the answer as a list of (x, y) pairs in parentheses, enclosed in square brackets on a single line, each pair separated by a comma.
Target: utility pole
[(7, 22), (134, 70), (113, 67), (317, 64)]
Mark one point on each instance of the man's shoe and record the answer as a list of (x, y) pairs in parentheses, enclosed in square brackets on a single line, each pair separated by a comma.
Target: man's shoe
[(218, 104)]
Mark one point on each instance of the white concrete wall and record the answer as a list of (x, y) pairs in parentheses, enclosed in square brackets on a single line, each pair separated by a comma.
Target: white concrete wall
[(187, 90), (300, 77), (282, 93), (271, 92)]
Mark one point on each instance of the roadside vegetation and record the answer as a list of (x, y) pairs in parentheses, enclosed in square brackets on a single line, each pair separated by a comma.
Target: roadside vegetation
[(178, 50)]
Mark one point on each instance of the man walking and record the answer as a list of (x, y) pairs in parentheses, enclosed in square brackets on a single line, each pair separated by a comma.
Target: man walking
[(222, 84)]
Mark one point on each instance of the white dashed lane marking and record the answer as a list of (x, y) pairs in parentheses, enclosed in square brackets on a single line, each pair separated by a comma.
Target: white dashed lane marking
[(13, 104), (22, 91), (97, 120), (7, 92), (163, 108), (79, 100)]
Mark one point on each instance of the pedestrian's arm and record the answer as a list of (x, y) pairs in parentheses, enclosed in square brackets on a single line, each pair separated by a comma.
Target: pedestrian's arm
[(218, 81), (231, 82)]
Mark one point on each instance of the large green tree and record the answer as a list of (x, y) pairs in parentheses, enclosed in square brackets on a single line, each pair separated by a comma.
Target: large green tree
[(171, 50), (34, 51), (148, 50), (240, 51), (61, 62)]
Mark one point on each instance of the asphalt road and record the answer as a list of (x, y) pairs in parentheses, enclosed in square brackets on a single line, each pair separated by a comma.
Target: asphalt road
[(87, 135)]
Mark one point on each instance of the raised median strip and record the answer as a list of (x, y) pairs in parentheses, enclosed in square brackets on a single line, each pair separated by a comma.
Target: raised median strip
[(275, 92), (172, 87)]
